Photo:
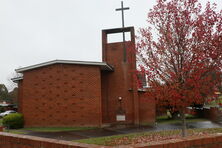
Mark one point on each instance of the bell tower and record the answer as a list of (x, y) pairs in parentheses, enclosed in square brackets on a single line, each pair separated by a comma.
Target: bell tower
[(122, 82)]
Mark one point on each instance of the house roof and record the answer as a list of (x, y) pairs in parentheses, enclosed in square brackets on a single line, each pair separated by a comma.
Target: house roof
[(16, 79), (104, 66)]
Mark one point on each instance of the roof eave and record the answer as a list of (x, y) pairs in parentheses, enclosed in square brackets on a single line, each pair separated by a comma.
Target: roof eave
[(104, 66), (17, 79)]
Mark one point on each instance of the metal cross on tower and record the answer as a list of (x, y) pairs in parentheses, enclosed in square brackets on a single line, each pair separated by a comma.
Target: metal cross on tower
[(124, 46)]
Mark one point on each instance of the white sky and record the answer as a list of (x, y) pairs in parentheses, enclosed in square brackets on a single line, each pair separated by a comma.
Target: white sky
[(35, 31)]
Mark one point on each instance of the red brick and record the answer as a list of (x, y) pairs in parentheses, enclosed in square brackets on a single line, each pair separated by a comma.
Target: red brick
[(61, 104)]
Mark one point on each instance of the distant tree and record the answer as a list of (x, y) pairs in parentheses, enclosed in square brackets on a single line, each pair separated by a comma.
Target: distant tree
[(13, 95), (12, 88), (3, 92), (11, 85), (183, 62)]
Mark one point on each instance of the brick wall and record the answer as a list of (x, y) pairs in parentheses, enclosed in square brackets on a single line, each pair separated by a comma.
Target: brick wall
[(214, 141), (147, 110), (122, 82), (214, 114), (62, 95), (21, 141), (117, 84), (20, 91)]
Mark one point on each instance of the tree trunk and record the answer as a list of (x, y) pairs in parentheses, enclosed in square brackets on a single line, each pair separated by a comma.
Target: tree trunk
[(184, 127)]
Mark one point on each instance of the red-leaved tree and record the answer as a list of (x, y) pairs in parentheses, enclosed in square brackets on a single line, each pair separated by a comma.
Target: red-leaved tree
[(181, 53)]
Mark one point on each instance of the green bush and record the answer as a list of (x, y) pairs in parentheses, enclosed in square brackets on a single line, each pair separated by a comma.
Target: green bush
[(2, 109), (13, 121)]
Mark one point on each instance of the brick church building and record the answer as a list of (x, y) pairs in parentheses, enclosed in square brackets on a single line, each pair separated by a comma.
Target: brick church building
[(80, 93)]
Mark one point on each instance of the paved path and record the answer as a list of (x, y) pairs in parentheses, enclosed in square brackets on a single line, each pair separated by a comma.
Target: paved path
[(74, 135)]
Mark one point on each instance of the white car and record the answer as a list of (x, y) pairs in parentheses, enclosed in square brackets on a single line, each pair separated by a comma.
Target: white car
[(7, 113)]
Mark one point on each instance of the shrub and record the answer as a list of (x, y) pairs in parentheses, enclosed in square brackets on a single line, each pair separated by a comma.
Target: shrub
[(2, 109), (13, 121)]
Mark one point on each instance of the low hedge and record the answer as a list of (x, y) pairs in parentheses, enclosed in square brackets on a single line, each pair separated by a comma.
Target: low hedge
[(13, 121)]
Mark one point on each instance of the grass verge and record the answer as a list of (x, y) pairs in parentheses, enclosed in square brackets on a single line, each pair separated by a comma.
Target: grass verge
[(146, 137), (48, 129), (165, 120), (57, 129)]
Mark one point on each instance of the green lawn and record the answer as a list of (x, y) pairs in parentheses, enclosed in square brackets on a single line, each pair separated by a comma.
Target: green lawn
[(57, 129), (127, 139), (48, 129), (189, 118), (16, 132)]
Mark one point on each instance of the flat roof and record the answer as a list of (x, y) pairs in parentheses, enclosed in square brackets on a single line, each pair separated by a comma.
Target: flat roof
[(118, 30), (103, 65)]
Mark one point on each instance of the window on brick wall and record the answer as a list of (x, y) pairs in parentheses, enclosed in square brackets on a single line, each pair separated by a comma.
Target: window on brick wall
[(142, 79)]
